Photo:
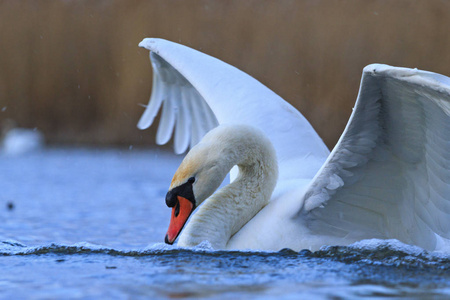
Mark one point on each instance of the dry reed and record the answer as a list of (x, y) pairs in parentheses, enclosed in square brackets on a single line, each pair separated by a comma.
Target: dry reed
[(73, 68)]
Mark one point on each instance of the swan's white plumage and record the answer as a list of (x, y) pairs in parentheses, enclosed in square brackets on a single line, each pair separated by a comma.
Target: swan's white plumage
[(387, 177), (220, 93), (228, 210), (179, 99), (392, 160)]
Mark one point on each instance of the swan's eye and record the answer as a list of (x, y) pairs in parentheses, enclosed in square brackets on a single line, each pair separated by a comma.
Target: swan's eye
[(191, 180)]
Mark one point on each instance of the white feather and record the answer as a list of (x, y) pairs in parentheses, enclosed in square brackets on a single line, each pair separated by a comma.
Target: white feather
[(387, 177)]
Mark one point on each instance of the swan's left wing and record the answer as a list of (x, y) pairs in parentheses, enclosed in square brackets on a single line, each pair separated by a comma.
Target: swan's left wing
[(198, 92), (185, 113), (389, 174)]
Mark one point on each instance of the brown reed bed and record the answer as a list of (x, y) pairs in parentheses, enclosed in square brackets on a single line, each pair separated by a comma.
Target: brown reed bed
[(73, 68)]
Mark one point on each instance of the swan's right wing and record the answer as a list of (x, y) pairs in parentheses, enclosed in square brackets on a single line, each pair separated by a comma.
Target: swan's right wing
[(389, 174), (198, 92)]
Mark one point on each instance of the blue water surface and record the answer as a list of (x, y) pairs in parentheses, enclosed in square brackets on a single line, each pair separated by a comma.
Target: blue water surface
[(89, 223)]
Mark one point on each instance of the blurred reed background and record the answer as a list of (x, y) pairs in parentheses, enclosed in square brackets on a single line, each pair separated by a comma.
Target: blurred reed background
[(73, 69)]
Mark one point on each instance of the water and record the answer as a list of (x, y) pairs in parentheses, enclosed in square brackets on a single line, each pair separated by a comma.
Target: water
[(85, 223)]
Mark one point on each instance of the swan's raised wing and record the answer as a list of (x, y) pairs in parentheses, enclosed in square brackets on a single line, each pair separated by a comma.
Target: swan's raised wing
[(184, 109), (198, 92), (389, 174)]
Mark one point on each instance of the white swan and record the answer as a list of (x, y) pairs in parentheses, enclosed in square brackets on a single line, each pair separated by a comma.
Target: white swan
[(17, 141), (387, 177)]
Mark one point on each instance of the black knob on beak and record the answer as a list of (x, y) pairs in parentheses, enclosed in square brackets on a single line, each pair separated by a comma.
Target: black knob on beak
[(171, 199)]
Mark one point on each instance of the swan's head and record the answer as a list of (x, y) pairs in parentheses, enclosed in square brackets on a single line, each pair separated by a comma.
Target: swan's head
[(199, 175)]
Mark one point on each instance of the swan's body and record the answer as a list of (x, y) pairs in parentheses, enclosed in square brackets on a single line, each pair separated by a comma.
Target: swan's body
[(387, 177)]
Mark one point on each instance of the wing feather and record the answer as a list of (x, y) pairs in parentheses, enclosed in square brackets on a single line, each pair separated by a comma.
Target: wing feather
[(393, 161), (154, 105), (185, 114), (183, 125), (167, 121)]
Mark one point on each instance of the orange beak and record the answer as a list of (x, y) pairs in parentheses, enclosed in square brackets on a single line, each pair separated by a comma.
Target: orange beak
[(180, 214)]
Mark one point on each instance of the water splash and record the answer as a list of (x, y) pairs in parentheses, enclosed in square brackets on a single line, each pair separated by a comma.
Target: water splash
[(372, 252), (384, 252)]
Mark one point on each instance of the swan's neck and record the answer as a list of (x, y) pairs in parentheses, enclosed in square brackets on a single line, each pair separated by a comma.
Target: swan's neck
[(228, 210)]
